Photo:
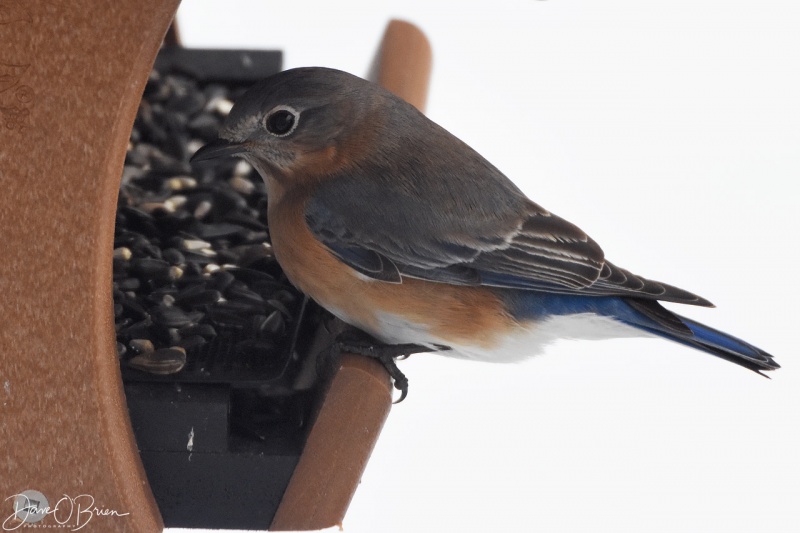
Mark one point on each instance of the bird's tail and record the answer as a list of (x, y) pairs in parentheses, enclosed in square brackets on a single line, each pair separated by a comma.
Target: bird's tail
[(707, 339)]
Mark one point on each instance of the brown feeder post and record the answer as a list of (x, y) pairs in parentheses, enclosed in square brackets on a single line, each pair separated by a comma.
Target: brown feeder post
[(71, 78), (403, 63)]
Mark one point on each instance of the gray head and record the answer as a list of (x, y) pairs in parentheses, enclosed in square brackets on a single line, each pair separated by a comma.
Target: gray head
[(296, 119)]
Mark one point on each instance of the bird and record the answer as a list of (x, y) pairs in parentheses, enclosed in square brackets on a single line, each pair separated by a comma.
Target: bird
[(405, 232)]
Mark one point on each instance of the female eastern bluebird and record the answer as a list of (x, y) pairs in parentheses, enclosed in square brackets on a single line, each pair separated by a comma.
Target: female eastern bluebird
[(402, 230)]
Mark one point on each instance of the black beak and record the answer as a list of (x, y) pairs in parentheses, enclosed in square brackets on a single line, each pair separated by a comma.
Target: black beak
[(218, 148)]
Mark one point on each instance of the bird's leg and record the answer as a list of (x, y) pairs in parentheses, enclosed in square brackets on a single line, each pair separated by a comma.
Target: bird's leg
[(386, 354), (359, 343)]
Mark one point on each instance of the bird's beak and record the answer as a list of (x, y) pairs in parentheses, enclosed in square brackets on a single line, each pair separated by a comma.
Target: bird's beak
[(218, 148)]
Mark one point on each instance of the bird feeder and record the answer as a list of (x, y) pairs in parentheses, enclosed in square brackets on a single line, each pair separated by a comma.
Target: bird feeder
[(71, 79)]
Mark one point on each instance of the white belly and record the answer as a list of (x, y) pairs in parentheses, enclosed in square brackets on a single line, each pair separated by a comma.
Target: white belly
[(527, 340)]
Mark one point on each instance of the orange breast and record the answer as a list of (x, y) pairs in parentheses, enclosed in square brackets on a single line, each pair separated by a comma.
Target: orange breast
[(462, 315)]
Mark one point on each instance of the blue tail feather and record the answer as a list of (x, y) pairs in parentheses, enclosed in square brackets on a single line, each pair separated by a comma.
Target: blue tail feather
[(646, 315), (715, 342)]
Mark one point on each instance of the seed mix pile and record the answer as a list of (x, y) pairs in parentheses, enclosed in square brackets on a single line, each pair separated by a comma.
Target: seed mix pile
[(196, 287)]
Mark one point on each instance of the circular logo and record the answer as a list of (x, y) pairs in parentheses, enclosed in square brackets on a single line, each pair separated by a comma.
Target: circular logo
[(30, 506)]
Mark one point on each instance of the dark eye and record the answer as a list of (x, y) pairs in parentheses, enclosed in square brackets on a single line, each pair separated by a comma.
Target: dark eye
[(281, 121)]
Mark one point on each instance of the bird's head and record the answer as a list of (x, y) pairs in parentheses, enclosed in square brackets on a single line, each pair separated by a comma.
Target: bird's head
[(297, 123)]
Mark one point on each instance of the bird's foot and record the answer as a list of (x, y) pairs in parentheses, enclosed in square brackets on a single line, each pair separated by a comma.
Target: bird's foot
[(386, 355)]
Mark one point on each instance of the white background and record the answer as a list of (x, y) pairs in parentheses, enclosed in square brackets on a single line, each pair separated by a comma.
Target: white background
[(670, 132)]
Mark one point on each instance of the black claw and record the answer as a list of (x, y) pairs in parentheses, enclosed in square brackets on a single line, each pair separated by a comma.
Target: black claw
[(386, 354), (400, 379)]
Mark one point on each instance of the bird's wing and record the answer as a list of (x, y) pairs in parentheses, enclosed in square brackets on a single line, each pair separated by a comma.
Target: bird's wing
[(466, 233)]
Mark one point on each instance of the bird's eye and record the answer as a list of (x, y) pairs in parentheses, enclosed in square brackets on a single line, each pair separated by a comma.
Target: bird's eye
[(281, 121)]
